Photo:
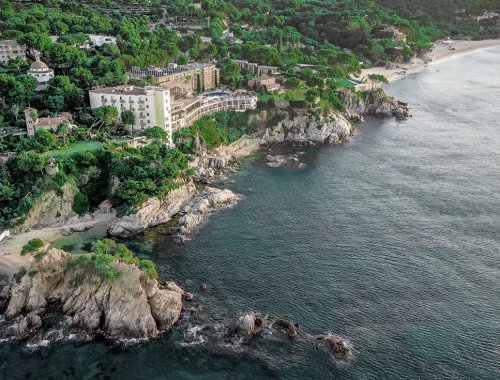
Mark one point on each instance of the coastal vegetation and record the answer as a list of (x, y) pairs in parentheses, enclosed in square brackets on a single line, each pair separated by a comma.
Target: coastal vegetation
[(107, 254), (32, 246), (336, 39), (222, 128)]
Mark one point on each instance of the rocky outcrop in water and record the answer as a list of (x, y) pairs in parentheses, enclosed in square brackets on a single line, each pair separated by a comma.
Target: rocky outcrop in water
[(374, 102), (288, 327), (202, 204), (154, 211), (247, 326), (126, 307), (336, 346)]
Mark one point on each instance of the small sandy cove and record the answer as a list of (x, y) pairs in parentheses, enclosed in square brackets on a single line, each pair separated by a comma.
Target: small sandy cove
[(441, 51), (10, 249)]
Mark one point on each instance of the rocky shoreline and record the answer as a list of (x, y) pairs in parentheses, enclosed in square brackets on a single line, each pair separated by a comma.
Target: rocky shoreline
[(127, 307)]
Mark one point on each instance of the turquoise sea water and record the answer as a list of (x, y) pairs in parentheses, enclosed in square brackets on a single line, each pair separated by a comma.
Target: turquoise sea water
[(391, 240)]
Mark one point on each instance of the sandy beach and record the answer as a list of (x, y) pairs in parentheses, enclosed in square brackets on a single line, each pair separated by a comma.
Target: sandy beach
[(440, 52), (10, 248)]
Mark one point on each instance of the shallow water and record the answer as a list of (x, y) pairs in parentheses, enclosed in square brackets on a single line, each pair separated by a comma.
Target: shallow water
[(390, 240)]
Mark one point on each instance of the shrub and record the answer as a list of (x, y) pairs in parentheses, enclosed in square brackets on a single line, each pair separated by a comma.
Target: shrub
[(80, 204), (22, 271), (32, 246), (77, 263), (155, 133), (149, 268), (32, 273), (39, 255)]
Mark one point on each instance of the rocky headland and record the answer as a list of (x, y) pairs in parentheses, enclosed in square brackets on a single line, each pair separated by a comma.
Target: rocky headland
[(301, 127), (130, 305)]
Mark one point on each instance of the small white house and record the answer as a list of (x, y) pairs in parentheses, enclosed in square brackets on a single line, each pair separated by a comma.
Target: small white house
[(4, 233)]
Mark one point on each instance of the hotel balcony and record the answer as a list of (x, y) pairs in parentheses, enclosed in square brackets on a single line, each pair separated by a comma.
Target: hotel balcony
[(142, 108), (113, 100), (122, 100)]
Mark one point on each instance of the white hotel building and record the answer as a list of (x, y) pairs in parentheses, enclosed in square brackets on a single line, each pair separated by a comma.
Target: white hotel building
[(150, 105), (154, 106)]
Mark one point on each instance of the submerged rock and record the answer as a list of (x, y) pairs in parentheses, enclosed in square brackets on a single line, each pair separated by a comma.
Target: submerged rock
[(288, 327), (336, 346)]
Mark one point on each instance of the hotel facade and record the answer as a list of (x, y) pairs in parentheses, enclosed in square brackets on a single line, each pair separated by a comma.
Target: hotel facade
[(156, 106)]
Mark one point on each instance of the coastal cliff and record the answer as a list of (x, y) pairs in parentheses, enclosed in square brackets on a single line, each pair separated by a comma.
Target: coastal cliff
[(154, 211), (300, 126), (129, 306), (50, 209), (191, 205), (374, 102), (304, 128)]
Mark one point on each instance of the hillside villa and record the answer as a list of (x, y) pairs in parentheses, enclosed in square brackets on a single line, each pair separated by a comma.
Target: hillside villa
[(255, 68), (266, 81), (34, 123)]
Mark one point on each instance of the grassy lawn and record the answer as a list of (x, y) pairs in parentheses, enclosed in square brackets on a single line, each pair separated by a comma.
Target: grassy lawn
[(79, 146), (289, 94)]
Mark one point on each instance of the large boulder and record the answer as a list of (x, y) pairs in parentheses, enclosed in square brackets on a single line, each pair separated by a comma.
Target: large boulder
[(248, 325)]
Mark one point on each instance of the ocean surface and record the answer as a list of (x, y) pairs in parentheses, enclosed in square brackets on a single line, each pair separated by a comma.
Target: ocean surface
[(391, 240)]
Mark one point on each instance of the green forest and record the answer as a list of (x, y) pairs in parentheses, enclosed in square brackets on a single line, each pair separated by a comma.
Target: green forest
[(338, 37)]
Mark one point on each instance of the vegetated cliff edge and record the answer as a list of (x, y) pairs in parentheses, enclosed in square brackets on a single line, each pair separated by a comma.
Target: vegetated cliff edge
[(131, 305), (288, 125)]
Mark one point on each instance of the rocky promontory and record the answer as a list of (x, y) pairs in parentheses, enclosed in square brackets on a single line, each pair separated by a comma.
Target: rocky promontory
[(154, 211), (123, 303), (305, 128), (202, 204), (374, 102)]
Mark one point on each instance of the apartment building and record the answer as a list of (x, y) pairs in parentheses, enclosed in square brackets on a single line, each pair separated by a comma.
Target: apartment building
[(10, 49), (206, 74), (255, 68), (150, 105)]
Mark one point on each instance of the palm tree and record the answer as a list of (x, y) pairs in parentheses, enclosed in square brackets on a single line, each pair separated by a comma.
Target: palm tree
[(15, 110), (63, 131)]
